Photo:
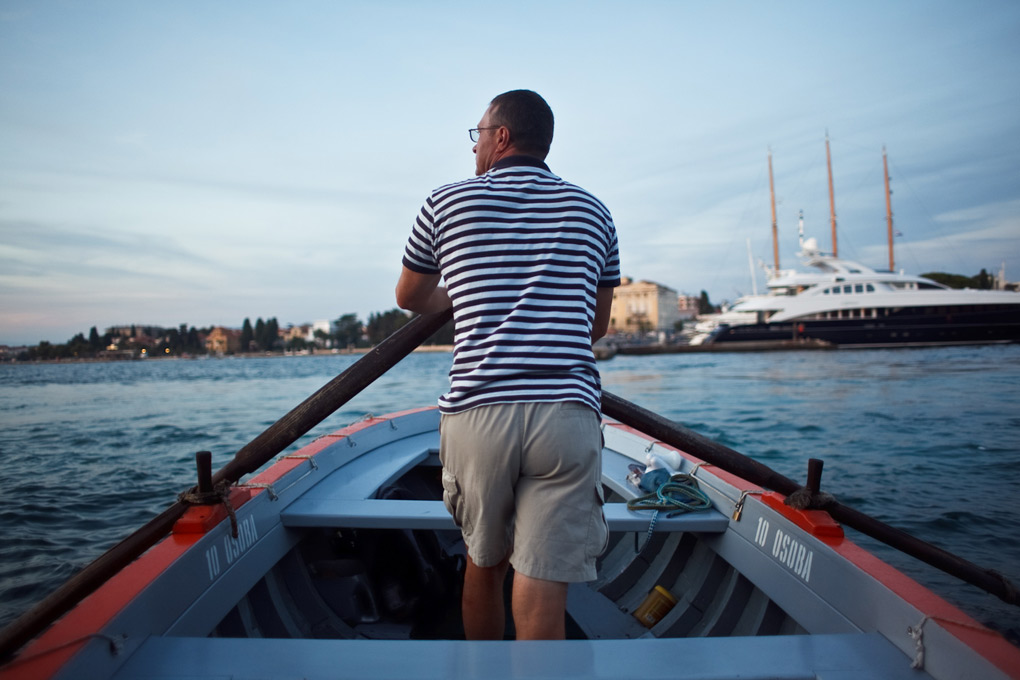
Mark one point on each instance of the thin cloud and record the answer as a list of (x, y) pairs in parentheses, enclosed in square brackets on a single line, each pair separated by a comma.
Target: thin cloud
[(170, 163)]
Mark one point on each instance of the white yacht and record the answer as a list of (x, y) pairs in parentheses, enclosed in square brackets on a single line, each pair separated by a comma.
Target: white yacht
[(846, 303)]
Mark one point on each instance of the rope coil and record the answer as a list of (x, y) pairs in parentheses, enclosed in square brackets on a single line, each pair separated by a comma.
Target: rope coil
[(677, 495), (806, 499), (220, 495)]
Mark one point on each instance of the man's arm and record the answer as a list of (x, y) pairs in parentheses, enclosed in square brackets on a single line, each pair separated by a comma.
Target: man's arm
[(603, 308), (421, 292)]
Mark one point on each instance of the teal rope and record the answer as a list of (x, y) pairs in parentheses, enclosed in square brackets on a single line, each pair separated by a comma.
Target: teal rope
[(678, 495)]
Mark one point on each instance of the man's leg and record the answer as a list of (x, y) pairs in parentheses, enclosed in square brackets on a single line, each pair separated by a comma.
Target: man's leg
[(559, 528), (480, 454), (482, 602), (540, 608)]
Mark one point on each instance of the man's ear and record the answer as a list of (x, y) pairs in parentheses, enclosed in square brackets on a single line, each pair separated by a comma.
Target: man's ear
[(502, 137)]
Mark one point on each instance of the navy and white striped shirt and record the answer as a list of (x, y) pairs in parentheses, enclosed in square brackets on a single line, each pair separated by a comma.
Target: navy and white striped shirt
[(522, 253)]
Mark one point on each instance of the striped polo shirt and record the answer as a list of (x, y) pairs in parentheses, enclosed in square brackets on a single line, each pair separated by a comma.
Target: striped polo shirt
[(522, 253)]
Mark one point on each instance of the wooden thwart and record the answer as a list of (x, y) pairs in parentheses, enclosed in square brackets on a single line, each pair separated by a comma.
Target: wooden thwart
[(414, 514)]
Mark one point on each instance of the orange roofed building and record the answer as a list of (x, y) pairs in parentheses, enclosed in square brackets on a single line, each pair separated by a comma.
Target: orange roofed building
[(223, 341)]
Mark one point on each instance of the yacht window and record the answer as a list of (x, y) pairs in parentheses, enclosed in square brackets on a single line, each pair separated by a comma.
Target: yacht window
[(826, 291), (871, 288), (859, 288), (835, 291), (848, 288)]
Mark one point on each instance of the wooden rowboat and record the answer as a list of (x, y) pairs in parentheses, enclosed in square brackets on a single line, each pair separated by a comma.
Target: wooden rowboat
[(341, 561)]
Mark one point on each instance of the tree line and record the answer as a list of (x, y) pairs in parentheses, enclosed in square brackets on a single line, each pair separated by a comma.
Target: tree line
[(174, 341), (983, 281), (346, 332)]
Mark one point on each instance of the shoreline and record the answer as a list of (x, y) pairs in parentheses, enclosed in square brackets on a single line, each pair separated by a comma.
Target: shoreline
[(205, 357)]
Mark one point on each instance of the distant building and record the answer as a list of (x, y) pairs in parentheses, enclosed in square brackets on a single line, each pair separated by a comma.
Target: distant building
[(321, 333), (223, 341), (302, 332), (999, 282), (687, 305), (7, 352), (134, 330), (643, 306)]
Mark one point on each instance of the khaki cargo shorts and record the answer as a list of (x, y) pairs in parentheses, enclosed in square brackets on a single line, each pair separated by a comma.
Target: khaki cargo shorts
[(524, 480)]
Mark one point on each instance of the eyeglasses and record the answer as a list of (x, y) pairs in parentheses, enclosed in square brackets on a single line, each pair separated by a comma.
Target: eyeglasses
[(473, 133)]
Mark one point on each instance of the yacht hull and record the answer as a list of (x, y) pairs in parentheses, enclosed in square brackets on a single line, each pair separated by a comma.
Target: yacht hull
[(888, 328)]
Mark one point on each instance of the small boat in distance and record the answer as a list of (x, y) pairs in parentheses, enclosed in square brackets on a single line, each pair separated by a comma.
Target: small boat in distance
[(341, 561), (848, 304)]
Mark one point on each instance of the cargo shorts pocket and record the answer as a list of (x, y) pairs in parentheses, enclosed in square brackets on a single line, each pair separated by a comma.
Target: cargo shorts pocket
[(598, 529), (451, 495)]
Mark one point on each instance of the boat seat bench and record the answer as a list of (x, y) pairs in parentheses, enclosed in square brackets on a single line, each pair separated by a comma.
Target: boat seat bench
[(780, 657), (374, 513)]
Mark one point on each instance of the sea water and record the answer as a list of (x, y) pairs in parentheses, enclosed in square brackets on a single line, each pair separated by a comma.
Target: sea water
[(927, 440)]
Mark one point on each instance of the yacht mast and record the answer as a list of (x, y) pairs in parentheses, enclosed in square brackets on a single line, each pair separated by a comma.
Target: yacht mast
[(750, 265), (775, 229), (888, 209), (832, 196)]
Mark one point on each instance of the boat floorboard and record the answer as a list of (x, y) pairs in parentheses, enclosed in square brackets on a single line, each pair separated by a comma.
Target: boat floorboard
[(417, 514), (800, 657)]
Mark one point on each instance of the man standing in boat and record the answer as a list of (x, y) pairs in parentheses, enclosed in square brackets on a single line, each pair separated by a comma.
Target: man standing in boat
[(529, 263)]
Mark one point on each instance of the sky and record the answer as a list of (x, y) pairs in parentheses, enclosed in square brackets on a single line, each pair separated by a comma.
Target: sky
[(201, 163)]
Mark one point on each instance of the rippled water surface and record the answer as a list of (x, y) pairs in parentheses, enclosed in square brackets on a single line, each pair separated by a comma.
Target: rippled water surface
[(926, 440)]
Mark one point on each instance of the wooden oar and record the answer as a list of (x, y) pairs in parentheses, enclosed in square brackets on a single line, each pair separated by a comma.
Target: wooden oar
[(249, 458), (678, 436)]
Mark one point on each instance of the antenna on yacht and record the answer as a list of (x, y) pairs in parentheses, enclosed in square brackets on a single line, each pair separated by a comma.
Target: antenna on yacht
[(888, 209), (832, 195), (800, 230), (775, 228)]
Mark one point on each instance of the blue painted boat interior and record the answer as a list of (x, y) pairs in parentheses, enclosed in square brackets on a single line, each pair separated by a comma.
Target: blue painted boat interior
[(351, 567)]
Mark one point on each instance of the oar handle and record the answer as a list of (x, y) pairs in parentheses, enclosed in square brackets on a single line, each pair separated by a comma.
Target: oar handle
[(712, 452)]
